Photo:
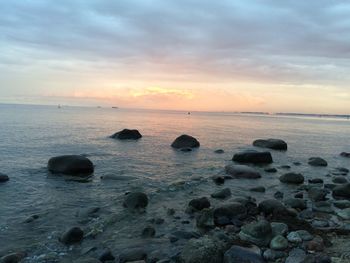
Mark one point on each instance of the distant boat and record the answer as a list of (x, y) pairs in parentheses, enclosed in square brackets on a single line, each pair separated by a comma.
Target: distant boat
[(189, 113), (59, 106), (115, 108)]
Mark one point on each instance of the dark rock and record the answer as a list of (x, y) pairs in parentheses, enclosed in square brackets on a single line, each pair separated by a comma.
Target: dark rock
[(275, 144), (339, 180), (342, 191), (305, 235), (272, 255), (278, 195), (222, 194), (185, 234), (31, 218), (13, 257), (344, 213), (342, 204), (202, 250), (148, 231), (3, 178), (71, 165), (297, 163), (317, 258), (295, 203), (242, 171), (72, 236), (279, 243), (186, 149), (279, 229), (323, 207), (242, 254), (218, 179), (317, 161), (258, 233), (135, 200), (127, 134), (185, 141), (198, 204), (259, 189), (292, 178), (316, 181), (229, 213), (170, 211), (254, 157), (133, 254), (317, 194), (271, 170), (205, 219), (299, 195), (345, 154), (219, 151), (106, 256), (296, 255), (294, 237), (285, 167), (271, 206)]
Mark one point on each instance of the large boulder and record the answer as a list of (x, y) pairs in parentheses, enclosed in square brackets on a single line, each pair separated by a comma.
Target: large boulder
[(243, 254), (342, 191), (258, 233), (292, 178), (185, 141), (317, 161), (229, 213), (71, 165), (3, 178), (127, 134), (251, 156), (242, 171), (275, 144)]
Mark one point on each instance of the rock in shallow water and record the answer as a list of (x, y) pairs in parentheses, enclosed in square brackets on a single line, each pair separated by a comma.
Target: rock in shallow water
[(242, 171), (71, 165), (222, 194), (72, 236), (345, 154), (242, 254), (13, 257), (127, 134), (185, 141), (198, 204), (279, 243), (317, 161), (228, 213), (3, 178), (275, 144), (342, 191), (135, 200), (251, 156), (292, 178), (271, 206), (295, 203)]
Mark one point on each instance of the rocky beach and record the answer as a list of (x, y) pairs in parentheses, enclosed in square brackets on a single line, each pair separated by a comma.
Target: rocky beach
[(198, 201)]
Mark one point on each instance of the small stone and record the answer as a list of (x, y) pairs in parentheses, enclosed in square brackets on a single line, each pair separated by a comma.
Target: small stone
[(292, 178), (205, 219), (229, 213), (170, 211), (275, 144), (295, 203), (317, 194), (342, 204), (251, 156), (344, 214), (323, 206), (222, 194), (342, 191), (73, 235), (271, 206), (148, 232), (13, 257), (106, 256), (132, 254), (271, 170), (317, 223), (278, 195), (305, 235), (317, 161), (315, 245), (31, 218), (316, 181), (242, 171), (272, 255), (339, 180), (242, 254), (259, 189), (279, 243), (219, 151), (299, 195), (218, 179), (296, 255), (345, 154), (185, 141), (294, 237), (258, 233), (3, 178)]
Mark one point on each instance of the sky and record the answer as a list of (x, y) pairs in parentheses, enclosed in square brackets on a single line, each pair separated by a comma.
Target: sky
[(243, 55)]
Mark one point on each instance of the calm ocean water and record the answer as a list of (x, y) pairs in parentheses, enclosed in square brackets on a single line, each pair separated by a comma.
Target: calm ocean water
[(30, 135)]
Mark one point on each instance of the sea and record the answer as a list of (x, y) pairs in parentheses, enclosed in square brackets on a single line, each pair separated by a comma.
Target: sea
[(30, 135)]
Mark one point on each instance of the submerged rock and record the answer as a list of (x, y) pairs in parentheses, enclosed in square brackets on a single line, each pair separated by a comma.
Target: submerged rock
[(71, 165), (296, 203), (242, 254), (127, 134), (3, 178), (342, 191), (148, 231), (185, 141), (259, 189), (132, 254), (135, 200), (275, 144), (317, 194), (339, 180), (292, 178), (72, 236), (258, 233), (271, 170), (242, 171), (317, 161), (13, 257), (345, 154), (251, 156), (219, 151), (222, 194)]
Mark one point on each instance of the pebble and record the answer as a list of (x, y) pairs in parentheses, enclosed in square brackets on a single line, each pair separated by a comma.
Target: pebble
[(259, 189), (3, 178), (294, 237), (279, 243), (279, 228), (305, 235)]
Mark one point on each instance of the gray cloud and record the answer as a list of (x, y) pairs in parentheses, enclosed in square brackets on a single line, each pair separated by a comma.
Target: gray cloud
[(270, 41)]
